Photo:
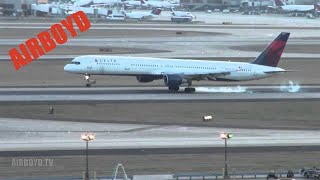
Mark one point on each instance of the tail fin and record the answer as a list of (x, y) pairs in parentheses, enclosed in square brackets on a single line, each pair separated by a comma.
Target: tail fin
[(279, 3), (271, 55), (317, 7), (156, 11), (142, 1), (172, 11)]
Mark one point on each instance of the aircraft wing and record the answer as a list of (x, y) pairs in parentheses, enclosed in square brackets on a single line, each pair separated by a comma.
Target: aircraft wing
[(209, 76), (200, 76)]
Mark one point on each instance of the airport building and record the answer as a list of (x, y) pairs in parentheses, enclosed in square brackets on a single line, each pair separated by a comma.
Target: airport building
[(11, 6), (301, 2), (265, 3), (208, 4), (256, 3), (222, 4)]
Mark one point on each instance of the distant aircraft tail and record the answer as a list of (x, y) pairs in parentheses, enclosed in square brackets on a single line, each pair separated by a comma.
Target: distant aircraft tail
[(156, 11), (142, 1), (279, 3), (317, 7), (172, 11), (271, 55)]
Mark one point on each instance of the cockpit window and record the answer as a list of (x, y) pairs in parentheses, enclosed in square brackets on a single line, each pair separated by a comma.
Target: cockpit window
[(75, 62)]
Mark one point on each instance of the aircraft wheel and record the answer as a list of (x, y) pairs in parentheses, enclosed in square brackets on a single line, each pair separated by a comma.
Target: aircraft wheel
[(189, 90), (88, 85), (174, 88), (306, 175)]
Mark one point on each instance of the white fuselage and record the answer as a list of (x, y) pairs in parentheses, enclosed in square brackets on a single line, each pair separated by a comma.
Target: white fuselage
[(182, 14), (133, 3), (140, 15), (297, 8), (133, 66), (159, 4)]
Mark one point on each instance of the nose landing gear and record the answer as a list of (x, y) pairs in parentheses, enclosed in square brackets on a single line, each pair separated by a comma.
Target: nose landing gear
[(88, 81)]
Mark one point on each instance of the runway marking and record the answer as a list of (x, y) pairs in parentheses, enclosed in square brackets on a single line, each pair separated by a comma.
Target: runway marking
[(48, 44), (143, 128)]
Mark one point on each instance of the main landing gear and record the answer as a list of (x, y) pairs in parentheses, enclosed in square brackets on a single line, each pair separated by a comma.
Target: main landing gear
[(186, 90), (88, 81), (189, 89), (173, 88)]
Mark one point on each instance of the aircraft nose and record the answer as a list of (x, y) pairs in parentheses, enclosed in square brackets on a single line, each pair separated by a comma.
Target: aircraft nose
[(67, 68)]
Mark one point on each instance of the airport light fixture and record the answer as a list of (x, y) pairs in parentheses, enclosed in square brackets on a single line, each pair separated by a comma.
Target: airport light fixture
[(225, 136), (87, 137)]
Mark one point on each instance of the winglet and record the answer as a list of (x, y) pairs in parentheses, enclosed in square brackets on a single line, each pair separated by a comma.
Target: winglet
[(317, 7)]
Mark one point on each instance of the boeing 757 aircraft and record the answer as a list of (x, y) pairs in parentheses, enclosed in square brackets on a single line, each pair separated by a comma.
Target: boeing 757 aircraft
[(182, 14), (297, 8), (144, 15), (176, 72)]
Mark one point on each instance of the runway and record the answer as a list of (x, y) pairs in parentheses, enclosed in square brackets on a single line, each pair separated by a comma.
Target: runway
[(134, 94), (28, 134), (137, 136)]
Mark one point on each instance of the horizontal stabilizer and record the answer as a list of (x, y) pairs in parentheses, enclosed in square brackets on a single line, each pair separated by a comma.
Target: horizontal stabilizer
[(276, 72)]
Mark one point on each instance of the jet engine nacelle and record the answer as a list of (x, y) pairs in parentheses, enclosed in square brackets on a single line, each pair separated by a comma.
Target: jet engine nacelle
[(146, 78), (173, 80)]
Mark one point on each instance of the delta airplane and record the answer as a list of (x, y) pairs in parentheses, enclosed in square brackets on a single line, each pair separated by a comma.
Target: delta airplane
[(143, 15), (132, 3), (90, 3), (182, 14), (176, 72), (158, 4), (297, 8)]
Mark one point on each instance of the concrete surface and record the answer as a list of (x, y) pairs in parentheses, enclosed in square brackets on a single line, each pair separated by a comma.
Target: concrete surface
[(60, 135)]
